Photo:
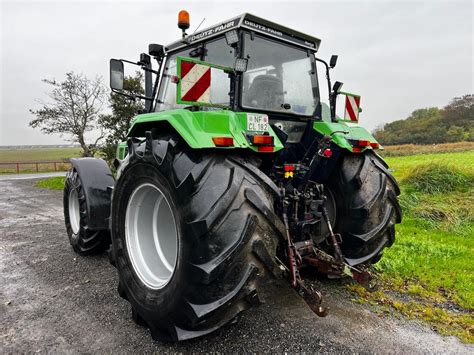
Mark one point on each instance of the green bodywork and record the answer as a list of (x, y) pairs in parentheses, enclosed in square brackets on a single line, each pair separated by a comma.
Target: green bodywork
[(198, 128), (355, 132)]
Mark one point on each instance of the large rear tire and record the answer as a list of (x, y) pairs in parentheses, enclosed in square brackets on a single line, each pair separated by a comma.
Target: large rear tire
[(367, 207), (217, 237)]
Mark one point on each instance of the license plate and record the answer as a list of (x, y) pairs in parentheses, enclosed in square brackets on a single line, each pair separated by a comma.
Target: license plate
[(257, 122)]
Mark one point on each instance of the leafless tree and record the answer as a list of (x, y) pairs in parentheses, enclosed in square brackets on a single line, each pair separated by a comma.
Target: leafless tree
[(75, 107)]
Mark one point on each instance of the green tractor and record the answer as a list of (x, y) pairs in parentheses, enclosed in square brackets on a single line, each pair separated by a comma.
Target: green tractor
[(237, 173)]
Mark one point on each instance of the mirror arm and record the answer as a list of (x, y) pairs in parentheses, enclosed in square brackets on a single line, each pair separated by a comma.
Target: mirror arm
[(144, 67), (134, 97), (155, 87), (332, 96)]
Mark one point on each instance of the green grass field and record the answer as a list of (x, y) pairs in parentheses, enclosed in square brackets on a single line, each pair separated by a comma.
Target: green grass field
[(36, 155), (429, 272)]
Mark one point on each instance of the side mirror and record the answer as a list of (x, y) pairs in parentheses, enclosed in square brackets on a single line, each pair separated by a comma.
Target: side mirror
[(116, 74), (333, 61)]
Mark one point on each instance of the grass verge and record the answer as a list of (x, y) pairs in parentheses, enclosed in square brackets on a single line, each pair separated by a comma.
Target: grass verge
[(428, 273), (53, 183)]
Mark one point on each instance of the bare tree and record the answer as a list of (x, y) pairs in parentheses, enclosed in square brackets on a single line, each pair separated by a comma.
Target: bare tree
[(75, 106)]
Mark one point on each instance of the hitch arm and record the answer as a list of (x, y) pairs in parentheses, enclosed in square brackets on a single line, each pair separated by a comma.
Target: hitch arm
[(312, 298)]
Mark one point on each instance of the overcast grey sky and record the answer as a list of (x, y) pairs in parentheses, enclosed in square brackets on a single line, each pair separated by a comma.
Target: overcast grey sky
[(399, 56)]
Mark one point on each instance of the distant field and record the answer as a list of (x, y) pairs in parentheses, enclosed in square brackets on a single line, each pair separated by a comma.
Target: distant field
[(412, 149), (36, 155)]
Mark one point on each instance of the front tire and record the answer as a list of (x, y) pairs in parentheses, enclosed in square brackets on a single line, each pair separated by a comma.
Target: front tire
[(225, 233), (83, 240)]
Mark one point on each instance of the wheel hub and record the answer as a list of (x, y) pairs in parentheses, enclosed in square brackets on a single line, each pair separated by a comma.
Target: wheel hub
[(74, 211), (151, 236)]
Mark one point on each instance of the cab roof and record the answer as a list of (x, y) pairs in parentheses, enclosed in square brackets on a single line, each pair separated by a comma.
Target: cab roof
[(253, 23)]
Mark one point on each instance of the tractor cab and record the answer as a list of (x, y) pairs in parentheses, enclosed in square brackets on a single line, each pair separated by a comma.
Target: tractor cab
[(272, 68), (256, 75)]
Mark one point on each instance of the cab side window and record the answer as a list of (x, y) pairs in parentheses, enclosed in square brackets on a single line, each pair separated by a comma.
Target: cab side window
[(220, 53), (167, 93)]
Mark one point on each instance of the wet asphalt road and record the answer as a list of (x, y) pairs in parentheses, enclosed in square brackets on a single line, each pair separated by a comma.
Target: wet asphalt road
[(53, 300)]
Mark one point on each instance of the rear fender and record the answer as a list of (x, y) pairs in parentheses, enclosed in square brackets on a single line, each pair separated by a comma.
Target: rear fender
[(198, 128), (97, 182), (346, 135)]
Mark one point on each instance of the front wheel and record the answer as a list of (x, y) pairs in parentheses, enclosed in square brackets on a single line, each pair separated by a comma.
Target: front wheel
[(83, 240)]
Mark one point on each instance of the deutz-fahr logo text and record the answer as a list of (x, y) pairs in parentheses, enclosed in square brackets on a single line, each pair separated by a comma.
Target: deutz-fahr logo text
[(213, 31), (263, 28)]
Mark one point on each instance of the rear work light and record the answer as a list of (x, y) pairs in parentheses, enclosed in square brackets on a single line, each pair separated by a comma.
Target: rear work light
[(223, 141), (262, 140)]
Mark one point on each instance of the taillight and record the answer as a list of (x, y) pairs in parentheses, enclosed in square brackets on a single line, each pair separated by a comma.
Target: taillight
[(360, 144), (262, 140), (223, 141), (265, 148), (363, 143)]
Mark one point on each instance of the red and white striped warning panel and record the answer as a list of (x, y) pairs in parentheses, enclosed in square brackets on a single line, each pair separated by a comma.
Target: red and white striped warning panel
[(195, 82), (352, 108)]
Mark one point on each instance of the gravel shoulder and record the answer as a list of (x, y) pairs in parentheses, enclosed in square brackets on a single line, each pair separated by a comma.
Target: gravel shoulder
[(53, 300)]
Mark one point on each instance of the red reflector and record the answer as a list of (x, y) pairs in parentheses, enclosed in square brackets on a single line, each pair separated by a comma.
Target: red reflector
[(289, 167), (356, 150), (223, 141), (327, 153), (262, 140), (265, 148), (364, 143), (174, 79), (375, 145)]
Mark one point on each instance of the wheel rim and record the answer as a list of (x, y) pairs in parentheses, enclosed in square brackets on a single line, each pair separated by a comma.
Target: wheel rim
[(74, 211), (151, 236)]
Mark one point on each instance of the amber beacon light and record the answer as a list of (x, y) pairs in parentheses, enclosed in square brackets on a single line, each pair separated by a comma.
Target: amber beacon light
[(183, 20)]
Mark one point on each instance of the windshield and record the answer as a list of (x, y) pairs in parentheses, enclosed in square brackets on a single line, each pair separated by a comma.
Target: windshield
[(279, 77)]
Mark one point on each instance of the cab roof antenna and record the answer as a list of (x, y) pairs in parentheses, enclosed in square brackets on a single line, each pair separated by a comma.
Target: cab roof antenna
[(197, 28)]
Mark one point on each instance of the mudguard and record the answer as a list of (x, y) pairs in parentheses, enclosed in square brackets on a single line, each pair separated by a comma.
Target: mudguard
[(198, 128), (96, 179)]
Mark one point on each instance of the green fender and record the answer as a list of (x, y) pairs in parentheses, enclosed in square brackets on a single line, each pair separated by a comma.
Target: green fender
[(198, 128), (347, 133)]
